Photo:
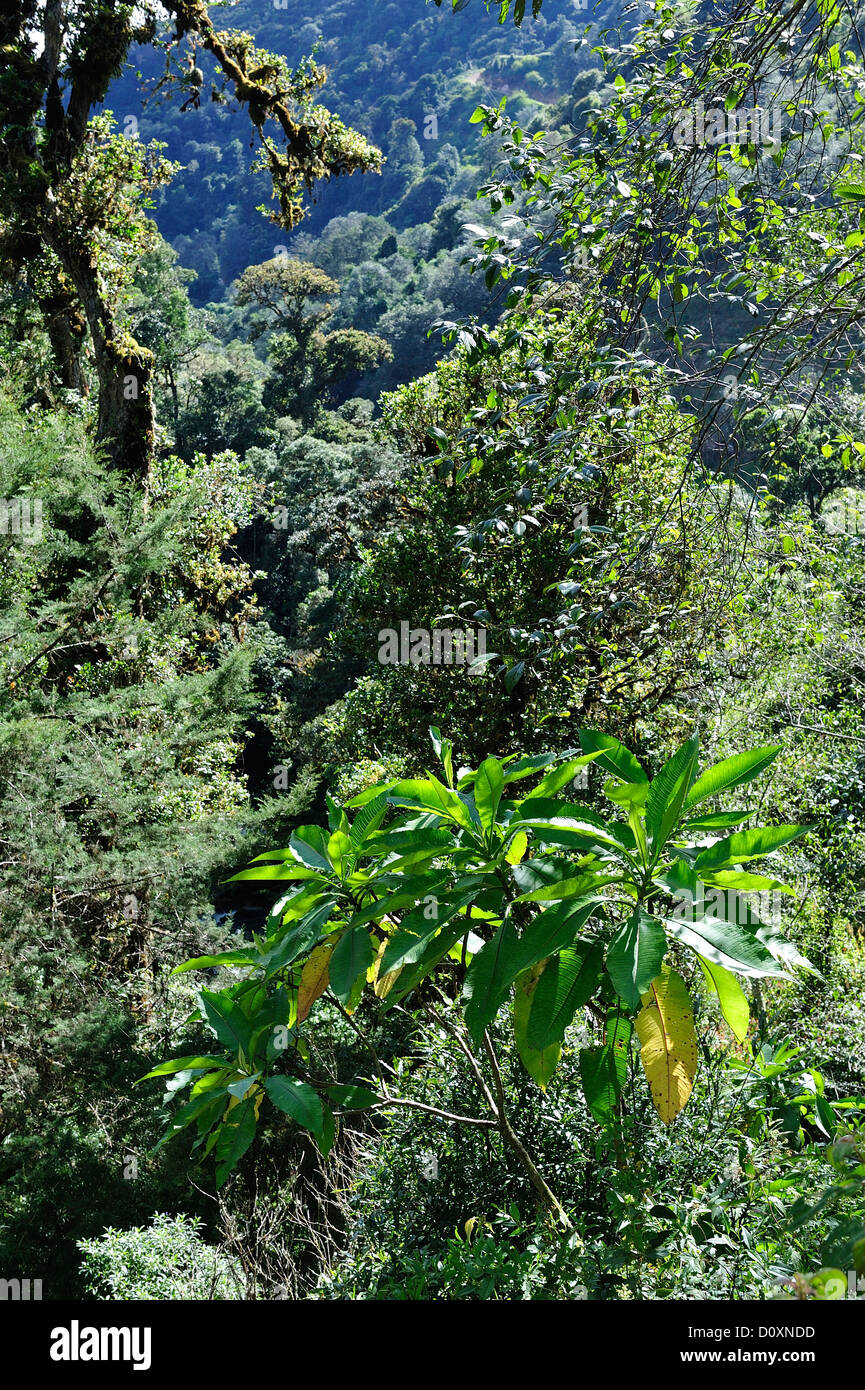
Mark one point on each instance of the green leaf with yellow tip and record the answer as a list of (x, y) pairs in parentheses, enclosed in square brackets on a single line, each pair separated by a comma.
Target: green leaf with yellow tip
[(539, 1062)]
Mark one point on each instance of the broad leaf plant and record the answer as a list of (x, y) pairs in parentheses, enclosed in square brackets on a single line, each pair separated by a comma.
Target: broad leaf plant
[(522, 900)]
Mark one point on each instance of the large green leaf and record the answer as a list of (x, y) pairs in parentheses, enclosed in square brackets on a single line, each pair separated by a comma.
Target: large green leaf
[(635, 956), (556, 780), (407, 841), (732, 772), (489, 783), (604, 1069), (489, 978), (575, 827), (430, 794), (731, 997), (408, 943), (444, 752), (568, 982), (339, 850), (368, 819), (544, 871), (668, 791), (581, 886), (233, 1138), (748, 844), (352, 956), (614, 756), (297, 1099), (540, 1063), (295, 905), (298, 940), (309, 843), (726, 944), (370, 794), (436, 948), (209, 962), (277, 873), (227, 1020), (775, 941), (744, 882), (413, 889), (552, 929), (518, 768), (196, 1063), (629, 795), (202, 1111), (714, 820)]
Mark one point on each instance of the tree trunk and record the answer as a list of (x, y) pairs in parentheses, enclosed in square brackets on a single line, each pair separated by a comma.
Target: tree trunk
[(65, 328), (125, 423)]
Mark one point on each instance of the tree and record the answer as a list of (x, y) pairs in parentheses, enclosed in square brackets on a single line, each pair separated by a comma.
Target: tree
[(306, 364), (405, 160), (125, 696), (710, 220), (224, 411), (164, 322), (281, 293), (67, 183)]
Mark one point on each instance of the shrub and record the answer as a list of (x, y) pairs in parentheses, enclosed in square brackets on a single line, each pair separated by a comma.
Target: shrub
[(168, 1260)]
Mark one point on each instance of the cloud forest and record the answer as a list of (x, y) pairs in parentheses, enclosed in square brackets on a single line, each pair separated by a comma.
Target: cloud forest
[(432, 660)]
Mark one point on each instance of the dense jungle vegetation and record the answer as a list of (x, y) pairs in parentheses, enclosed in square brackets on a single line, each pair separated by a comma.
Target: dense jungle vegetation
[(432, 650)]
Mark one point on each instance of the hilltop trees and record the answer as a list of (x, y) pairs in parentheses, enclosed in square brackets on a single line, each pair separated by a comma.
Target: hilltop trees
[(307, 363)]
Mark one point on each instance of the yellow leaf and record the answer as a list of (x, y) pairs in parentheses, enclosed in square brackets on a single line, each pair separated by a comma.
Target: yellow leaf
[(668, 1043), (517, 847), (372, 972), (383, 986), (313, 980)]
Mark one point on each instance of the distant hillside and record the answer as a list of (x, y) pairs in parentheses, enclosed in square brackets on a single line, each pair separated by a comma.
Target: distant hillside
[(406, 74)]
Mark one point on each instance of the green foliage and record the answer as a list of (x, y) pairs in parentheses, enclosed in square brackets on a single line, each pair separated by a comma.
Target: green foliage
[(125, 696), (479, 878), (167, 1260), (405, 63), (633, 478), (702, 1210)]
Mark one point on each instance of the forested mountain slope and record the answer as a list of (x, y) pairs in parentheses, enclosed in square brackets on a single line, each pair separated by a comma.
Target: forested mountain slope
[(406, 74)]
